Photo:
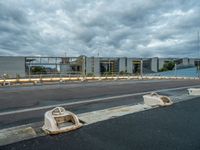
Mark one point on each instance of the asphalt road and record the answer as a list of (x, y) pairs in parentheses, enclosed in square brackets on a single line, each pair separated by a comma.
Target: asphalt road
[(19, 98), (170, 128), (15, 98)]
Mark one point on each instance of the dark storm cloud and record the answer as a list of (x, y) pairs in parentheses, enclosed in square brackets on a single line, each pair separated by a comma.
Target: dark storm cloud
[(139, 28)]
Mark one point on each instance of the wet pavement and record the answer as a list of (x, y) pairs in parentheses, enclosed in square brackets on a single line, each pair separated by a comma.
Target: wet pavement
[(168, 128)]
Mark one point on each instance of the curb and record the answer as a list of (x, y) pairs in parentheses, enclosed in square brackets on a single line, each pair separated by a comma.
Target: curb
[(19, 133), (25, 132)]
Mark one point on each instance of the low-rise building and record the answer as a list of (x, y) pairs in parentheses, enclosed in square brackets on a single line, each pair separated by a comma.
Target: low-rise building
[(12, 66)]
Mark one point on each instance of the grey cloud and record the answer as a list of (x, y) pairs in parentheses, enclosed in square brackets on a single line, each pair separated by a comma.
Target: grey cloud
[(140, 28)]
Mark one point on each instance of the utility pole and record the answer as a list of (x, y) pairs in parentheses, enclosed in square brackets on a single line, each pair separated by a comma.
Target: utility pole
[(198, 68)]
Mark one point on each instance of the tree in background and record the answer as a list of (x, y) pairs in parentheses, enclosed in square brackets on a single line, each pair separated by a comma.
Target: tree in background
[(168, 66), (38, 70)]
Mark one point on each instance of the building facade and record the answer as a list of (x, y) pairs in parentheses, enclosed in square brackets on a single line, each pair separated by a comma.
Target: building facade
[(29, 66), (12, 66)]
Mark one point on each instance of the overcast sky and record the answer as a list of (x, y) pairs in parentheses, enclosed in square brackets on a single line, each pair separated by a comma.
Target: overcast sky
[(130, 28)]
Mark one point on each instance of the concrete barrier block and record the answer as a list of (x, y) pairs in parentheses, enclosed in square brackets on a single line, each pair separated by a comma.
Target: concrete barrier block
[(154, 99), (194, 91), (59, 120)]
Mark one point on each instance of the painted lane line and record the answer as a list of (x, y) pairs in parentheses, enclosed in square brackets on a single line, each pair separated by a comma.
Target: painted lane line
[(90, 101)]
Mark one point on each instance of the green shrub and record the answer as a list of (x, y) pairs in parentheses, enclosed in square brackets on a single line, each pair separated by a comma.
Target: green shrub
[(168, 66)]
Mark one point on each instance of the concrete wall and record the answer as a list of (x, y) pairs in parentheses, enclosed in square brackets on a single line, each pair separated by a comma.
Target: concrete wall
[(130, 65), (185, 61), (84, 66), (12, 66), (92, 65), (161, 63), (122, 64), (96, 66), (191, 61), (89, 63), (154, 64)]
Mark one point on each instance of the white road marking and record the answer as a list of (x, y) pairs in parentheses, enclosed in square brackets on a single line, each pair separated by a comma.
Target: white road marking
[(90, 101)]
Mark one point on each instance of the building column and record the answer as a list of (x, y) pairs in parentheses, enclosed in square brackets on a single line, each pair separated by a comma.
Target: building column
[(154, 64), (122, 65), (130, 65)]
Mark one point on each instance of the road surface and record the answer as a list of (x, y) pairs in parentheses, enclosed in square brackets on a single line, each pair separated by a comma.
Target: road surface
[(170, 128), (15, 99)]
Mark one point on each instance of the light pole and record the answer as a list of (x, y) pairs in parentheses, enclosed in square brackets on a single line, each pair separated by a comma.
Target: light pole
[(141, 68), (29, 70), (175, 69)]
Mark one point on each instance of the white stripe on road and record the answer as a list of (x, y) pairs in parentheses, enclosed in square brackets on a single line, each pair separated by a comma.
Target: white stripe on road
[(90, 101)]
